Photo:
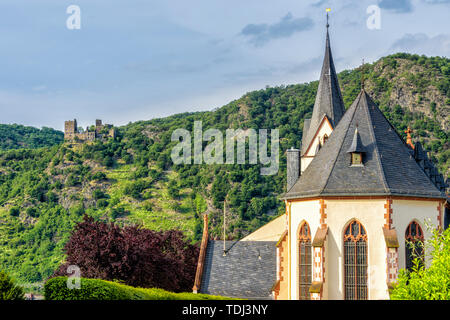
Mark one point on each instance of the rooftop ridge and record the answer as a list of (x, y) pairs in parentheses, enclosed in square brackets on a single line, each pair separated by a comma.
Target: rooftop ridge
[(376, 151)]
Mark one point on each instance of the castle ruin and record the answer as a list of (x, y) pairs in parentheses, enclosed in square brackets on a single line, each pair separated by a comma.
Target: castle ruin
[(98, 132)]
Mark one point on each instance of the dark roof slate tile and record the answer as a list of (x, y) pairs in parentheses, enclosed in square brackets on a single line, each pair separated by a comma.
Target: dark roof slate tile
[(247, 271)]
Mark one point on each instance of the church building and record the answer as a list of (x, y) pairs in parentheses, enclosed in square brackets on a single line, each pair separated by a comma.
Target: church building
[(360, 201)]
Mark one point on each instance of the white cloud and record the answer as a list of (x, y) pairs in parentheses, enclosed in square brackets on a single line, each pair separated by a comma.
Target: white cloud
[(420, 43), (397, 6), (260, 34)]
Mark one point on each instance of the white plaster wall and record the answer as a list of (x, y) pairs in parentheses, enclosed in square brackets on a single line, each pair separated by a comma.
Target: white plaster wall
[(406, 211), (301, 211), (304, 163), (324, 129), (370, 213)]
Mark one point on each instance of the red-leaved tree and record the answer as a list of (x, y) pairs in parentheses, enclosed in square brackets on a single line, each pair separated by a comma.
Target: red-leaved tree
[(138, 257)]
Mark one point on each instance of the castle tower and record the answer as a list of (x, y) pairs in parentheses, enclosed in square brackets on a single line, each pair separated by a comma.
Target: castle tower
[(70, 129)]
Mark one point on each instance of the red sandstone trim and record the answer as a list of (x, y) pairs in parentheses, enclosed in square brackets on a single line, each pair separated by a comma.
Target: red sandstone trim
[(323, 215), (361, 198), (439, 217), (388, 214)]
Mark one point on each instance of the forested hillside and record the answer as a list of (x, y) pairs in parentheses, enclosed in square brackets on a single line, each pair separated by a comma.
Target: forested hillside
[(132, 179), (15, 136)]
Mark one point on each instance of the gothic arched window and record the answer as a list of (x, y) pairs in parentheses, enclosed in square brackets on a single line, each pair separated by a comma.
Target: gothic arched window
[(413, 244), (304, 262), (355, 262)]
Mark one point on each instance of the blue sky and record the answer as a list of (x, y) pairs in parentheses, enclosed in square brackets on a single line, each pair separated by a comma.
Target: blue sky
[(140, 59)]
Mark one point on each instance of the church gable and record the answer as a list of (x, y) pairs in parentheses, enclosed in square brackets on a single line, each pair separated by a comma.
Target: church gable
[(320, 137)]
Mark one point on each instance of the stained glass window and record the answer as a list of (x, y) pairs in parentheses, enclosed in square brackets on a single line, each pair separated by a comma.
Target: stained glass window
[(355, 262), (304, 258), (414, 244)]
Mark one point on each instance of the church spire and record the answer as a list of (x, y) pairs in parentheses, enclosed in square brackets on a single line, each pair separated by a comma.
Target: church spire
[(328, 99), (328, 10), (362, 75)]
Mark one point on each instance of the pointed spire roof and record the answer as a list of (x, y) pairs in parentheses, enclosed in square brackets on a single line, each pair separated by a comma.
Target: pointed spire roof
[(328, 98), (388, 166)]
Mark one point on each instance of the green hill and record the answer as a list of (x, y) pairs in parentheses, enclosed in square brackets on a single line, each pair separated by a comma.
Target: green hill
[(15, 136), (131, 179)]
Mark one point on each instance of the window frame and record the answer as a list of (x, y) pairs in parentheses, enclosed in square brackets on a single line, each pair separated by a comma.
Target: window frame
[(304, 241), (356, 163), (355, 263), (417, 239)]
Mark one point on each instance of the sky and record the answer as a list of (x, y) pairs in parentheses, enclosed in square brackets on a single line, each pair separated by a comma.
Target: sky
[(142, 59)]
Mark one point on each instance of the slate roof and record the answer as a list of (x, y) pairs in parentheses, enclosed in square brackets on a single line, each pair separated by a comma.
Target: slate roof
[(241, 273), (389, 166), (328, 99), (428, 167), (356, 145), (306, 125)]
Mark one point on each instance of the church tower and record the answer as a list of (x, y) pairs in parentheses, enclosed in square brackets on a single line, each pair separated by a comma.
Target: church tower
[(328, 109), (358, 202), (362, 198)]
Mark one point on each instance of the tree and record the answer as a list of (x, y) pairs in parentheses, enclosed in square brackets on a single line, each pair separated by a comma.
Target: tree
[(138, 257), (8, 289), (432, 283), (14, 211)]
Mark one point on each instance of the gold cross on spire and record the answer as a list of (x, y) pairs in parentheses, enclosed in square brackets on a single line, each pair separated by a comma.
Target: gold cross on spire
[(328, 10)]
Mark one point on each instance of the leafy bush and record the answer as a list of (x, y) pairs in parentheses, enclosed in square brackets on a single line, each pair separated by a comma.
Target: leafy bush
[(98, 194), (14, 211), (32, 212), (96, 289), (102, 203), (9, 290), (99, 175), (432, 283)]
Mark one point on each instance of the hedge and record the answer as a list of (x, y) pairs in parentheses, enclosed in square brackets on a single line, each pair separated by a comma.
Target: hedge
[(97, 289)]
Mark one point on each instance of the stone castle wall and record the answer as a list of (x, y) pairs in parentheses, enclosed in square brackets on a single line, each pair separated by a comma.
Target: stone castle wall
[(71, 132)]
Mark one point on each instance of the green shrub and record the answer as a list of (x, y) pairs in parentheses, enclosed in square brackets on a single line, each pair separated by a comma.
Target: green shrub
[(9, 290), (98, 194), (14, 211), (96, 289), (32, 212), (102, 203), (433, 282), (99, 175)]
